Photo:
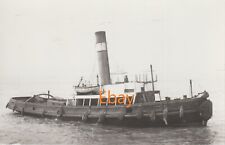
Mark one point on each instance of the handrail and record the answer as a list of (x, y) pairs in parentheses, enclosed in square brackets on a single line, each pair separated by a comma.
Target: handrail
[(49, 95), (45, 95)]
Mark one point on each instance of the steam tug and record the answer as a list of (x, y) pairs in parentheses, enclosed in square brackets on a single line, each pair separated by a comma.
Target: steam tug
[(120, 103)]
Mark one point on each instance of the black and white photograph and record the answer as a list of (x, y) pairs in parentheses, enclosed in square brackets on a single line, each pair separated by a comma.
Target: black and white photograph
[(112, 72)]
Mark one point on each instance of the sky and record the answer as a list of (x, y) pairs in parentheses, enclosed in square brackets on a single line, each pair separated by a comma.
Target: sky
[(53, 40)]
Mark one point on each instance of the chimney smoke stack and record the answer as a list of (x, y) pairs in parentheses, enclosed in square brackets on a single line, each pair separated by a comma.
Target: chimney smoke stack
[(103, 61)]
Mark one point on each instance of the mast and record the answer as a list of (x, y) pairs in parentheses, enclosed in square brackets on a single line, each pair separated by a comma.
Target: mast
[(191, 88), (153, 87), (97, 80), (80, 81), (48, 94)]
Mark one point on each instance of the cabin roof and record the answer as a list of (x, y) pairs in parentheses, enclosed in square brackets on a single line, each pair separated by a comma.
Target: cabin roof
[(103, 95)]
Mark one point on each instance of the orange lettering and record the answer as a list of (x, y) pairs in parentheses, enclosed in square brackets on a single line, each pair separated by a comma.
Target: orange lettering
[(109, 98), (121, 99), (129, 100), (101, 97)]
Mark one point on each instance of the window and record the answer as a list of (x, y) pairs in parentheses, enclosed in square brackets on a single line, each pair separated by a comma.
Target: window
[(128, 90), (112, 101), (86, 102), (139, 98), (79, 102), (103, 102), (120, 100), (131, 99), (94, 102)]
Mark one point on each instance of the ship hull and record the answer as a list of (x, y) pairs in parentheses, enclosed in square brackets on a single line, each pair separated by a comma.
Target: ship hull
[(192, 111), (192, 119)]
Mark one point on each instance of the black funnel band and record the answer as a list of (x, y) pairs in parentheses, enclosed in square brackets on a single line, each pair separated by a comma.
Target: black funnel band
[(100, 37)]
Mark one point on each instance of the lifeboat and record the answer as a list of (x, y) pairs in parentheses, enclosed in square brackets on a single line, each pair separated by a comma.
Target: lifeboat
[(84, 90)]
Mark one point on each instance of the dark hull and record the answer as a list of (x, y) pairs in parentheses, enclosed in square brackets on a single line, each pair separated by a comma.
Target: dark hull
[(191, 119), (194, 111)]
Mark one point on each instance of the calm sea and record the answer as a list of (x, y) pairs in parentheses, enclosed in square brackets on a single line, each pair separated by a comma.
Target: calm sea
[(17, 129)]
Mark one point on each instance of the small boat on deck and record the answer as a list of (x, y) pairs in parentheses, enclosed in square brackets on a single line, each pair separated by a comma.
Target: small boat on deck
[(86, 90), (91, 90), (124, 103)]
